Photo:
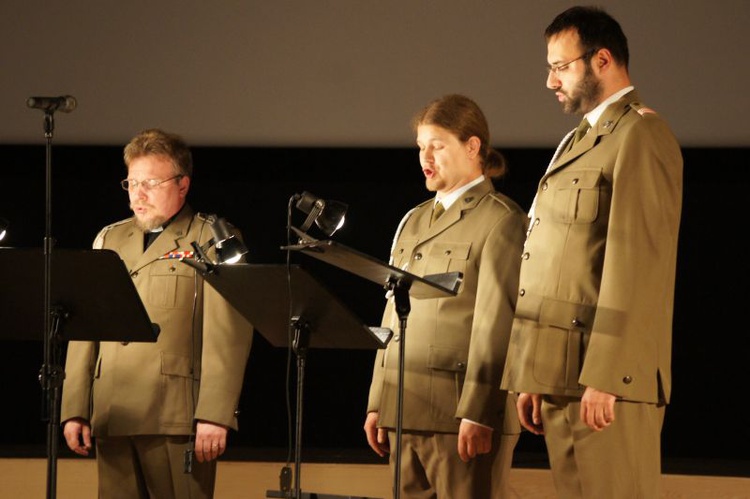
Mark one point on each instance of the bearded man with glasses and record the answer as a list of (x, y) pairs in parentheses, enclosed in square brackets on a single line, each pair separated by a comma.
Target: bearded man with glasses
[(590, 346), (153, 406)]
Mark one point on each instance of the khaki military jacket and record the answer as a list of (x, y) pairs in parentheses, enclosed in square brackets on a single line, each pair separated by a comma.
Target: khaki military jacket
[(455, 346), (195, 369), (596, 291)]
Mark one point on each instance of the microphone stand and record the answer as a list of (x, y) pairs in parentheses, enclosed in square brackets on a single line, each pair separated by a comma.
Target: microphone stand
[(51, 374)]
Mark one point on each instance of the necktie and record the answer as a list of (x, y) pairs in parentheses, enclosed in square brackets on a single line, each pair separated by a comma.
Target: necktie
[(437, 210), (582, 129)]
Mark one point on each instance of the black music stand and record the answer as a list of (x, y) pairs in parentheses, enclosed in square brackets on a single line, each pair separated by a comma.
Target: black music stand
[(281, 299), (92, 298), (399, 282)]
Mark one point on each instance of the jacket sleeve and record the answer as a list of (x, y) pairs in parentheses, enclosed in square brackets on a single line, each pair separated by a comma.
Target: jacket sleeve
[(497, 290)]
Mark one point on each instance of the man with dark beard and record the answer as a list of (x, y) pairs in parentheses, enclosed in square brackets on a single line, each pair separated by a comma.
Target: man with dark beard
[(591, 342), (151, 405)]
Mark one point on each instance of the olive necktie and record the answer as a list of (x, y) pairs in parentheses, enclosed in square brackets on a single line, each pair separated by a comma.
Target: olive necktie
[(582, 129), (437, 210)]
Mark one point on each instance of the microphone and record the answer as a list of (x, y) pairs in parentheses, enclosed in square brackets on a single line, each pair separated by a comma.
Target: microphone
[(64, 103)]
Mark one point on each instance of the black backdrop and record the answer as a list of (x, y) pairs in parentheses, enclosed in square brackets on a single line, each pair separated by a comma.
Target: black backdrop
[(704, 429)]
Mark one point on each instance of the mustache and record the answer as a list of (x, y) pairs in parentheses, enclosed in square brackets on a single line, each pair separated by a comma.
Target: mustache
[(140, 204)]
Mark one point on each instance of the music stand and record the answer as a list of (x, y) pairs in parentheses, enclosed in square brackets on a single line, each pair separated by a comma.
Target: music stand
[(402, 284), (92, 297), (298, 303)]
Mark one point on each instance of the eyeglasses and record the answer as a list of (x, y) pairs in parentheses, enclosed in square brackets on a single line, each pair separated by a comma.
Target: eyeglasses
[(562, 67), (148, 184)]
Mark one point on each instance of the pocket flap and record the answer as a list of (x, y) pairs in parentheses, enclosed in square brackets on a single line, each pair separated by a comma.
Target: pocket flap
[(457, 251), (579, 179), (175, 365), (447, 359)]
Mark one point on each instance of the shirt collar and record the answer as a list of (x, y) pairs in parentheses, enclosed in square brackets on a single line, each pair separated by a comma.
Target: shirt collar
[(594, 115), (451, 198)]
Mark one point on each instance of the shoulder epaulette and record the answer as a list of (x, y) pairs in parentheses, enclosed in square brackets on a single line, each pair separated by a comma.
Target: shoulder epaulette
[(641, 109), (99, 240), (501, 199)]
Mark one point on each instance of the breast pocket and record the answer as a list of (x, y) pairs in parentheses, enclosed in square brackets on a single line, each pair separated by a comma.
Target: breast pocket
[(172, 284), (577, 196), (447, 257)]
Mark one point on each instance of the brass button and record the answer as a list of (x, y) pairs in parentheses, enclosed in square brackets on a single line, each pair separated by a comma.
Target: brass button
[(134, 274), (461, 365), (545, 186), (418, 256), (447, 252), (536, 221), (123, 343), (575, 181), (522, 292), (627, 380), (525, 256), (172, 269)]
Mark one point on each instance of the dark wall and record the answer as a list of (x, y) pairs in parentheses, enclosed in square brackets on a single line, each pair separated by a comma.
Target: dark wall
[(251, 187)]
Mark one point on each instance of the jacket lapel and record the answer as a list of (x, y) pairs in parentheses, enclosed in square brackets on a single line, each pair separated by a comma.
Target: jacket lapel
[(604, 126), (170, 240), (452, 215)]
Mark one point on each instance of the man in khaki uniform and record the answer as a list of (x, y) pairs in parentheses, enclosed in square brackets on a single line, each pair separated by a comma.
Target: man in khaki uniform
[(150, 405), (591, 343), (457, 439)]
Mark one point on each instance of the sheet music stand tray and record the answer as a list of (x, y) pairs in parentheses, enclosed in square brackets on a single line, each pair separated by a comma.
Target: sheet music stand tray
[(402, 284), (92, 292), (301, 314), (92, 297)]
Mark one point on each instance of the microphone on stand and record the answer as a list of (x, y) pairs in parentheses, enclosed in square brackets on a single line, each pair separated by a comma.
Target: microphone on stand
[(64, 103)]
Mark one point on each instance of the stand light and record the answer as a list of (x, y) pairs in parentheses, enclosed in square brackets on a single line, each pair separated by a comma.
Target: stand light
[(229, 248), (328, 215)]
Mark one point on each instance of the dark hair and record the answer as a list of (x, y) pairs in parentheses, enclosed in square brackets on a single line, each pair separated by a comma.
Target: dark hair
[(161, 143), (462, 116), (596, 29)]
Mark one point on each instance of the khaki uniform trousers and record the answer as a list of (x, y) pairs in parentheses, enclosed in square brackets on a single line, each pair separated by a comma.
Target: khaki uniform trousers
[(431, 467), (151, 467), (621, 461)]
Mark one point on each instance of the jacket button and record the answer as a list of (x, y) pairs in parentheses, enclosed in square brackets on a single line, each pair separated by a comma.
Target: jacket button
[(545, 186), (447, 252), (536, 221), (461, 365), (525, 256), (575, 181), (418, 256), (124, 343), (521, 291), (627, 380), (134, 274), (236, 412), (172, 269), (575, 322)]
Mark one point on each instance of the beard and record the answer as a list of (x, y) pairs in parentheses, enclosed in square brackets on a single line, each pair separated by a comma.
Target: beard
[(585, 95), (148, 223)]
